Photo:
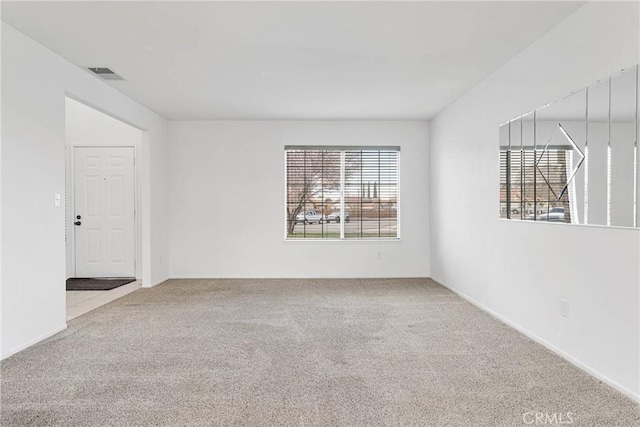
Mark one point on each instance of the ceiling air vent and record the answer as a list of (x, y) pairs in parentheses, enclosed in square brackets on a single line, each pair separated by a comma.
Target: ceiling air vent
[(105, 73)]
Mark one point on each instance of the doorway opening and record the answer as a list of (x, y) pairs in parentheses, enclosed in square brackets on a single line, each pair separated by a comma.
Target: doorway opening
[(102, 238)]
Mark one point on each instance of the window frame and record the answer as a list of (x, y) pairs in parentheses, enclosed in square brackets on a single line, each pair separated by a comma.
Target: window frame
[(343, 149)]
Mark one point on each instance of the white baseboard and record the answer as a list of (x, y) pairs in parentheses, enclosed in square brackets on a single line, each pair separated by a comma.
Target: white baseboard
[(33, 341), (151, 285), (556, 350)]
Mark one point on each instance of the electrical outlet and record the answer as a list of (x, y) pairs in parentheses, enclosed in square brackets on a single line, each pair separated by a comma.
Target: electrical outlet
[(564, 308), (379, 255), (56, 200)]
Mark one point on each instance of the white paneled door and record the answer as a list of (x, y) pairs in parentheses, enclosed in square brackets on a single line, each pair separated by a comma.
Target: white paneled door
[(103, 219)]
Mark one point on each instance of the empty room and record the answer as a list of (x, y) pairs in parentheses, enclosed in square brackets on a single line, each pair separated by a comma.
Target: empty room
[(323, 213)]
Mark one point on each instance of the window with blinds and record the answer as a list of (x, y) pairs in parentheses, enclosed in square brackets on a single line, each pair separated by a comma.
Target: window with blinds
[(342, 192), (533, 184)]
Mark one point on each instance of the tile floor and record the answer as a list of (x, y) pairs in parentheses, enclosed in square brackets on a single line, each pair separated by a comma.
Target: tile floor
[(81, 302)]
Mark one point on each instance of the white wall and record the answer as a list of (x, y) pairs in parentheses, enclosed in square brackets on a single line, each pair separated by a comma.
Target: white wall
[(521, 270), (86, 126), (35, 82), (227, 201)]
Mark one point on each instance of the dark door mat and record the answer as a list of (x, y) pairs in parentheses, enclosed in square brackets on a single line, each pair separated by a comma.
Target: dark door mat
[(96, 284)]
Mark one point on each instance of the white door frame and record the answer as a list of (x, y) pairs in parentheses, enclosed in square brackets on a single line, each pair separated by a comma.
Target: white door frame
[(71, 230)]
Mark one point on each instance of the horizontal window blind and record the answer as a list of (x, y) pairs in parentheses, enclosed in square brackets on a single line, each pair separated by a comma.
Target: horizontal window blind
[(533, 184), (313, 190), (342, 193)]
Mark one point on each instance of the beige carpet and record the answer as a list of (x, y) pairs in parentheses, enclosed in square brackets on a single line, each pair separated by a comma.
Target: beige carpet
[(298, 352)]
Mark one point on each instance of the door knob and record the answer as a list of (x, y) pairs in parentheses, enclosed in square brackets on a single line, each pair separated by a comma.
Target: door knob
[(77, 223)]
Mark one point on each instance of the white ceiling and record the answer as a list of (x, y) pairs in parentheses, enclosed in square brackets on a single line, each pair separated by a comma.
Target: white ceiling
[(290, 60)]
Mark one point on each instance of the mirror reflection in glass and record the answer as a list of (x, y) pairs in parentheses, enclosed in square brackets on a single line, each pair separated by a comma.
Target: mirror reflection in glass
[(576, 160)]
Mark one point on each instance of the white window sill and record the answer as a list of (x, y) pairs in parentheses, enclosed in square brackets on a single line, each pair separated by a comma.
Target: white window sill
[(368, 241)]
